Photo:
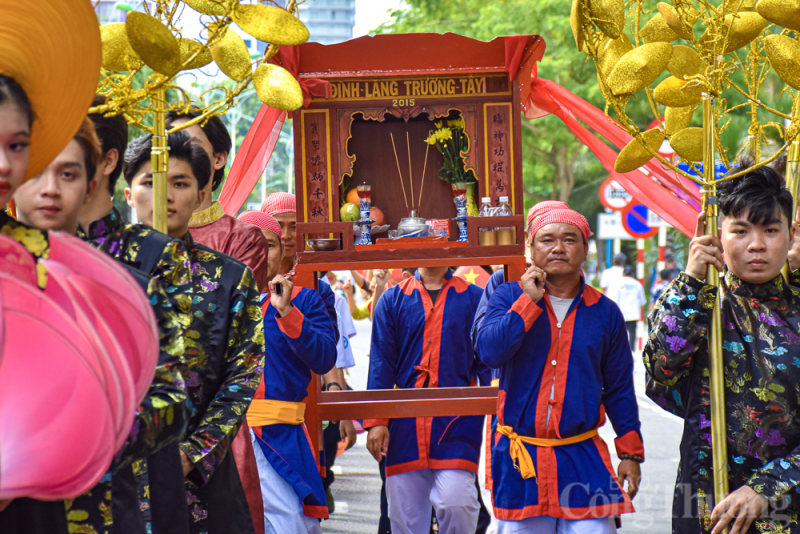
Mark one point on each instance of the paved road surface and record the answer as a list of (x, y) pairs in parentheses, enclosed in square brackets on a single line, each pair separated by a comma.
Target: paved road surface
[(357, 486)]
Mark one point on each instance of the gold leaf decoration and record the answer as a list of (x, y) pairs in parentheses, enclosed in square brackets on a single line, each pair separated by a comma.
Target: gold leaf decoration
[(188, 48), (231, 55), (277, 88), (682, 27), (784, 13), (209, 7), (741, 29), (117, 51), (576, 22), (748, 5), (783, 53), (634, 155), (609, 16), (612, 52), (601, 45), (685, 62), (677, 119), (657, 31), (620, 101), (153, 43), (688, 144), (676, 93), (639, 68), (270, 24)]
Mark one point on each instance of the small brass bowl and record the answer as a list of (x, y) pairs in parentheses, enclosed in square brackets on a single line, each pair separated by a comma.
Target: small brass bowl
[(324, 245)]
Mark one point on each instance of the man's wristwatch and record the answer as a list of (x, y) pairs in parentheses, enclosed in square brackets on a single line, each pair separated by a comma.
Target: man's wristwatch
[(638, 459)]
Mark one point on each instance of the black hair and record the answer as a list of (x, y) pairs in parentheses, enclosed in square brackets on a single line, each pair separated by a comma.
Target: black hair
[(11, 91), (180, 147), (410, 270), (113, 134), (217, 135), (627, 270), (90, 146), (762, 191), (779, 164), (667, 275)]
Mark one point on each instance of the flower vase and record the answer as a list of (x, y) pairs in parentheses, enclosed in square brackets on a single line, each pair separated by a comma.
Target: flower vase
[(365, 223), (472, 206), (460, 192)]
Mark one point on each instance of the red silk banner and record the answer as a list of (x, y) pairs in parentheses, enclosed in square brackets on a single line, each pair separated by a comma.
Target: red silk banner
[(673, 203), (610, 129), (289, 58), (251, 159)]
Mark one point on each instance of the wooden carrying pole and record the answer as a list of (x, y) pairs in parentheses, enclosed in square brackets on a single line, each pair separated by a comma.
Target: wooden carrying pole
[(719, 444), (159, 161)]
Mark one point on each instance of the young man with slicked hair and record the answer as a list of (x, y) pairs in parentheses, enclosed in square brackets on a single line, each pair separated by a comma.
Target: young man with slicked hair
[(226, 353), (761, 352), (210, 225)]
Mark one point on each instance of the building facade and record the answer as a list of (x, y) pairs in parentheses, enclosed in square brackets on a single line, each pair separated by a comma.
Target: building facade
[(329, 21)]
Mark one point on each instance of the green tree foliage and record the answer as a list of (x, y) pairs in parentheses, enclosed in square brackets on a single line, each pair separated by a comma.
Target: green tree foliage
[(239, 120), (555, 164)]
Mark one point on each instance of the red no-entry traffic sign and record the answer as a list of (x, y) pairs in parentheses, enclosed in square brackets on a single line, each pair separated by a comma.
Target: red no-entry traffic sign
[(613, 196)]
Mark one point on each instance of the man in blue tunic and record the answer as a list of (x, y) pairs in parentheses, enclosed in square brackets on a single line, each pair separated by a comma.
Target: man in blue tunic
[(420, 339), (302, 340), (563, 359)]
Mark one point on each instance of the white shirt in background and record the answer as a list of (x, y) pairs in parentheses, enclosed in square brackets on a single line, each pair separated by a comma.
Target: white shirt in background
[(609, 275), (628, 293), (344, 352)]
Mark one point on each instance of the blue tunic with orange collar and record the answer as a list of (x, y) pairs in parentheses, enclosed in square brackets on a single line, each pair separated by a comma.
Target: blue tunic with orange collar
[(419, 344), (298, 343), (557, 380)]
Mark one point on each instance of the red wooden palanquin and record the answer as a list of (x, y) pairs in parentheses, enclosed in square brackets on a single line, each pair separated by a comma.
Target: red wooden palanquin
[(399, 85)]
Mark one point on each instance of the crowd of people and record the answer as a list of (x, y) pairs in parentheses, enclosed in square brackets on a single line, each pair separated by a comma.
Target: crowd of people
[(219, 444)]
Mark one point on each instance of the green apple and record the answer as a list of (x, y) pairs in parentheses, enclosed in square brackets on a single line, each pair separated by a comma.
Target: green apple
[(350, 213)]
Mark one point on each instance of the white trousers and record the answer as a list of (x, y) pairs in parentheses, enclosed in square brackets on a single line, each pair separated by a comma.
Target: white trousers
[(451, 492), (283, 511), (551, 525)]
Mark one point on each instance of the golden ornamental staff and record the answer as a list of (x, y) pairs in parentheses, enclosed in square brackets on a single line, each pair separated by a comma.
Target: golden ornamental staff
[(151, 39), (701, 70), (719, 443), (793, 173), (160, 161)]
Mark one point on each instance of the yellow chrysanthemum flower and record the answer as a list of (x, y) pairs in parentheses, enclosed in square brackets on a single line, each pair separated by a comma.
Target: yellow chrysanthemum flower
[(458, 124), (445, 133)]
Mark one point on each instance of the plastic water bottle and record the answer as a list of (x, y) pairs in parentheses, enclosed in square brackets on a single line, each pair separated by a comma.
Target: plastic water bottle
[(506, 235), (487, 236)]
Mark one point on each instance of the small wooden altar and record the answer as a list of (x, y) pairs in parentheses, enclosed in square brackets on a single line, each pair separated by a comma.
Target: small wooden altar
[(399, 86)]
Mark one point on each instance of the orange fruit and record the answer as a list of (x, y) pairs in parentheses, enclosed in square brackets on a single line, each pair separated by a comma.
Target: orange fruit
[(377, 215), (352, 196)]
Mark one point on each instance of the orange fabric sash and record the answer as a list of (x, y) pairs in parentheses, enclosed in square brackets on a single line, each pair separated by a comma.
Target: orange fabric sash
[(265, 412), (520, 455)]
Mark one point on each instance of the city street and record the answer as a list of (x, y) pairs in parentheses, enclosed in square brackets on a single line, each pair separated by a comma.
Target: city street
[(357, 486)]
